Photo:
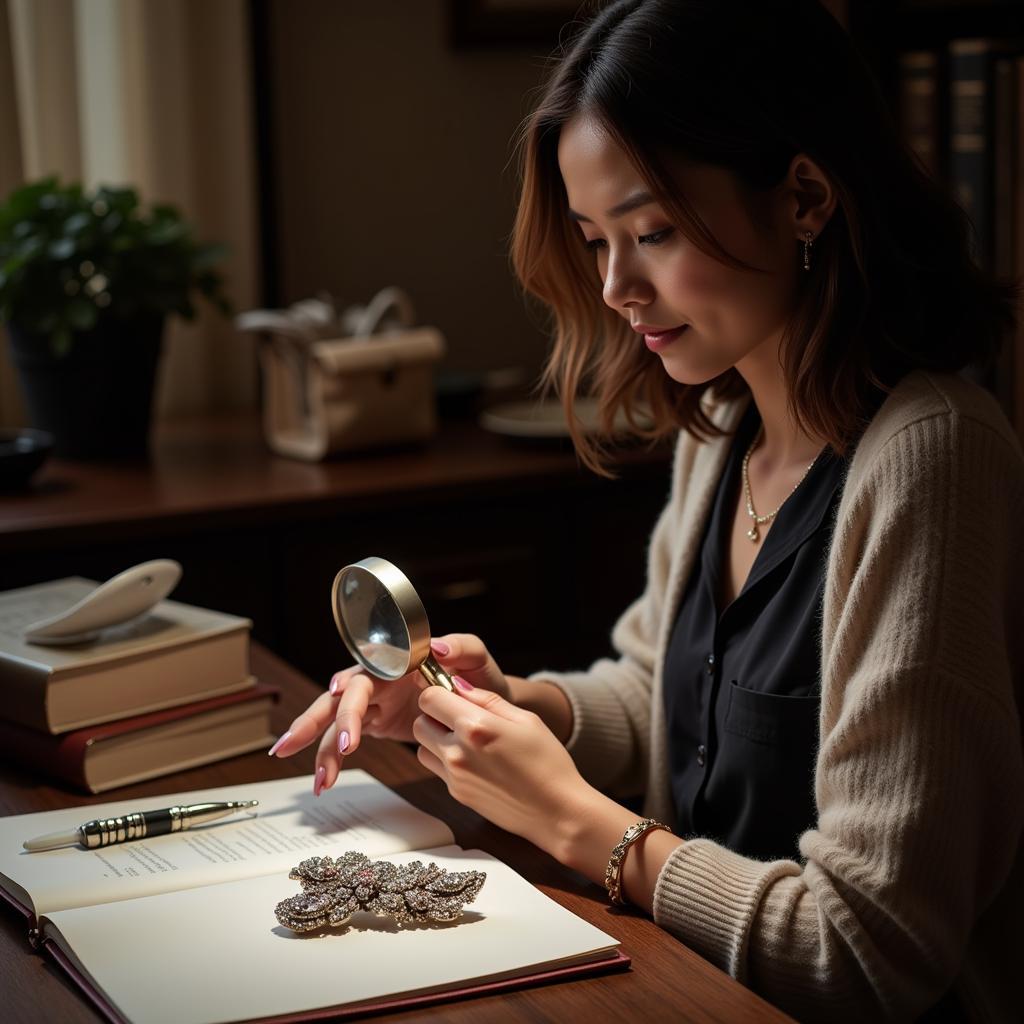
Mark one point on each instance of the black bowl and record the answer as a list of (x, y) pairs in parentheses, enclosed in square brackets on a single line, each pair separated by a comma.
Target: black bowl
[(22, 452)]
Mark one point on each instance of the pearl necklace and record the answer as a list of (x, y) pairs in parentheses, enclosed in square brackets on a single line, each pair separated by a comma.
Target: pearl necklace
[(753, 533)]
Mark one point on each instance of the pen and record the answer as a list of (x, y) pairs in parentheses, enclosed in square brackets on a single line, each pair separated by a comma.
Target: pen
[(137, 825)]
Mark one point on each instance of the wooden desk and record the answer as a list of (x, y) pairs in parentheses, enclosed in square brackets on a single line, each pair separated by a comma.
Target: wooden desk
[(666, 982), (509, 540)]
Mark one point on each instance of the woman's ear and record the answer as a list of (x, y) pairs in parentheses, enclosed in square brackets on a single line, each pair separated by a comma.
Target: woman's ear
[(810, 197)]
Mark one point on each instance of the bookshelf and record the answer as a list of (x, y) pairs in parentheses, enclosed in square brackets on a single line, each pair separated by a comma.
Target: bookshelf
[(963, 106)]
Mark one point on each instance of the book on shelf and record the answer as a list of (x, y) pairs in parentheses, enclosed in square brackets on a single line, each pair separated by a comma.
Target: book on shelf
[(970, 137), (1006, 126), (100, 757), (181, 927), (986, 175), (175, 654), (985, 123), (919, 74)]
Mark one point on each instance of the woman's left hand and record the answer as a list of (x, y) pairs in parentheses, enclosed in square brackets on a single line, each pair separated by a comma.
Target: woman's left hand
[(504, 763)]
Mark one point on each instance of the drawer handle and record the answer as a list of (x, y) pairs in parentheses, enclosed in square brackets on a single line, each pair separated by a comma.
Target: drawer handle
[(461, 589)]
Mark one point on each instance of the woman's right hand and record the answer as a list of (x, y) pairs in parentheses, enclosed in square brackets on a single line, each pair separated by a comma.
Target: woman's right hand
[(359, 703)]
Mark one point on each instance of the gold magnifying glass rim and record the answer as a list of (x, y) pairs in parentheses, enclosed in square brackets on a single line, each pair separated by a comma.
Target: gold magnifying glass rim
[(410, 607)]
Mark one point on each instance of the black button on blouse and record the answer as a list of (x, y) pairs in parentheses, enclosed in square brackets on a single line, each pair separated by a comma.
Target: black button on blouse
[(742, 688)]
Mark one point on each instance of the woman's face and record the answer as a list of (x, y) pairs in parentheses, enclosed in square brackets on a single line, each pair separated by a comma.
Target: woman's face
[(699, 315)]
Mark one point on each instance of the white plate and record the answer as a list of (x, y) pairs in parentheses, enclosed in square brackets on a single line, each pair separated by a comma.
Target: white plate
[(539, 419)]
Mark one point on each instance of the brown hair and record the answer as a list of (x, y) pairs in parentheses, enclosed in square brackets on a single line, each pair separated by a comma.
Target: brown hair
[(746, 85)]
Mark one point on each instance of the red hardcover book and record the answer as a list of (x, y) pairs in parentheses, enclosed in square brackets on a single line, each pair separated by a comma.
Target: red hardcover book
[(101, 757)]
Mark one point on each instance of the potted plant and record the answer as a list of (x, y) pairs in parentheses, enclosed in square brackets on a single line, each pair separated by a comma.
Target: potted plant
[(87, 280)]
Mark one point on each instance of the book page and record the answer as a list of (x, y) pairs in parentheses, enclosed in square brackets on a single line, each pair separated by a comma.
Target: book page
[(357, 813), (222, 956)]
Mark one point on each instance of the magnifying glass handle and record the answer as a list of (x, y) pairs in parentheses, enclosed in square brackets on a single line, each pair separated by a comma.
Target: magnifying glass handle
[(435, 675)]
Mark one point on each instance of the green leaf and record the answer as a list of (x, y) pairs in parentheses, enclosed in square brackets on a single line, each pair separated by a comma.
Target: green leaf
[(81, 315), (62, 249), (206, 256), (164, 233), (77, 223), (60, 342), (13, 264), (31, 247), (123, 199), (151, 263)]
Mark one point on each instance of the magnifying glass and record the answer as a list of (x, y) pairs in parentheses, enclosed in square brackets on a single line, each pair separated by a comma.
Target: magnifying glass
[(383, 622)]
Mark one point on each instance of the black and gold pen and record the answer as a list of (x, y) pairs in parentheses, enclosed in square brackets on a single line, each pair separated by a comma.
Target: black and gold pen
[(137, 825)]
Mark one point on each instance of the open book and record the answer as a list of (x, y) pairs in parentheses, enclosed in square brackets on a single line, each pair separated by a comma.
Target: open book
[(181, 928)]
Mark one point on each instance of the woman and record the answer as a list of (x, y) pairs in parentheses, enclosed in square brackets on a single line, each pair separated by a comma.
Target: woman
[(817, 695)]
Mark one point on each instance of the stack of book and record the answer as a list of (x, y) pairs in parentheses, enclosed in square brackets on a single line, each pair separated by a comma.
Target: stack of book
[(168, 691)]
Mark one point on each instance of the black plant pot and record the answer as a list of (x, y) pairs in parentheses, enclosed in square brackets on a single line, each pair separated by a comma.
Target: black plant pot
[(97, 399)]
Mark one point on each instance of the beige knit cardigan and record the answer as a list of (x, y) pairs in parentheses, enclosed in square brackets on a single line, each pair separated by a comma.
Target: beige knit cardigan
[(912, 880)]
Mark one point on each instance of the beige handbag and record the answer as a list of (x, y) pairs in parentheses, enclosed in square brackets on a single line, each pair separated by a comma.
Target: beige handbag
[(327, 395)]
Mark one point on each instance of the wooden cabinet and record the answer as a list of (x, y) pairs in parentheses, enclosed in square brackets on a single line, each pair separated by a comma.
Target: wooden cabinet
[(515, 543)]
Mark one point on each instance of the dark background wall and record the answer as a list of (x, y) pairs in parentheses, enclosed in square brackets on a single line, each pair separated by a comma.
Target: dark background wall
[(391, 162)]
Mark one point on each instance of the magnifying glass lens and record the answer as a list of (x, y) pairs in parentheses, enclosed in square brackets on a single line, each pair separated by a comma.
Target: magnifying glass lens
[(383, 623), (375, 624)]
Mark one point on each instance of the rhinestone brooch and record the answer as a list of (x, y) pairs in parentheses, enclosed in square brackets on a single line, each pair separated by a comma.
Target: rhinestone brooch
[(334, 889)]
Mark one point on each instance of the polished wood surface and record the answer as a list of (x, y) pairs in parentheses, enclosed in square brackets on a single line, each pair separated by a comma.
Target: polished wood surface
[(667, 981), (217, 469)]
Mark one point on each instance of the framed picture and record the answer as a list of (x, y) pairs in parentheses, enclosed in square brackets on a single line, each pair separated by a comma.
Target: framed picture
[(511, 24)]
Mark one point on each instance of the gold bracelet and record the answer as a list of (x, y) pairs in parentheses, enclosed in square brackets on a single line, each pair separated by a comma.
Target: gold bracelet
[(613, 873)]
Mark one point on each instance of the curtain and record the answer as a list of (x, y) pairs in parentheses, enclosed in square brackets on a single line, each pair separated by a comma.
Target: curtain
[(158, 96)]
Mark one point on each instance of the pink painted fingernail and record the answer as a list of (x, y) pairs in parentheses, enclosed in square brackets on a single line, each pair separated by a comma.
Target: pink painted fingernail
[(462, 684), (440, 647), (277, 746), (335, 683), (342, 742), (318, 782)]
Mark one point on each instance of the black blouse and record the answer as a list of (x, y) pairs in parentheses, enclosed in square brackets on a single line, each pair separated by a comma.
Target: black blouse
[(742, 689)]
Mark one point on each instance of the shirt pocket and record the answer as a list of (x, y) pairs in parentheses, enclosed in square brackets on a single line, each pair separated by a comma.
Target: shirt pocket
[(773, 718), (759, 796)]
